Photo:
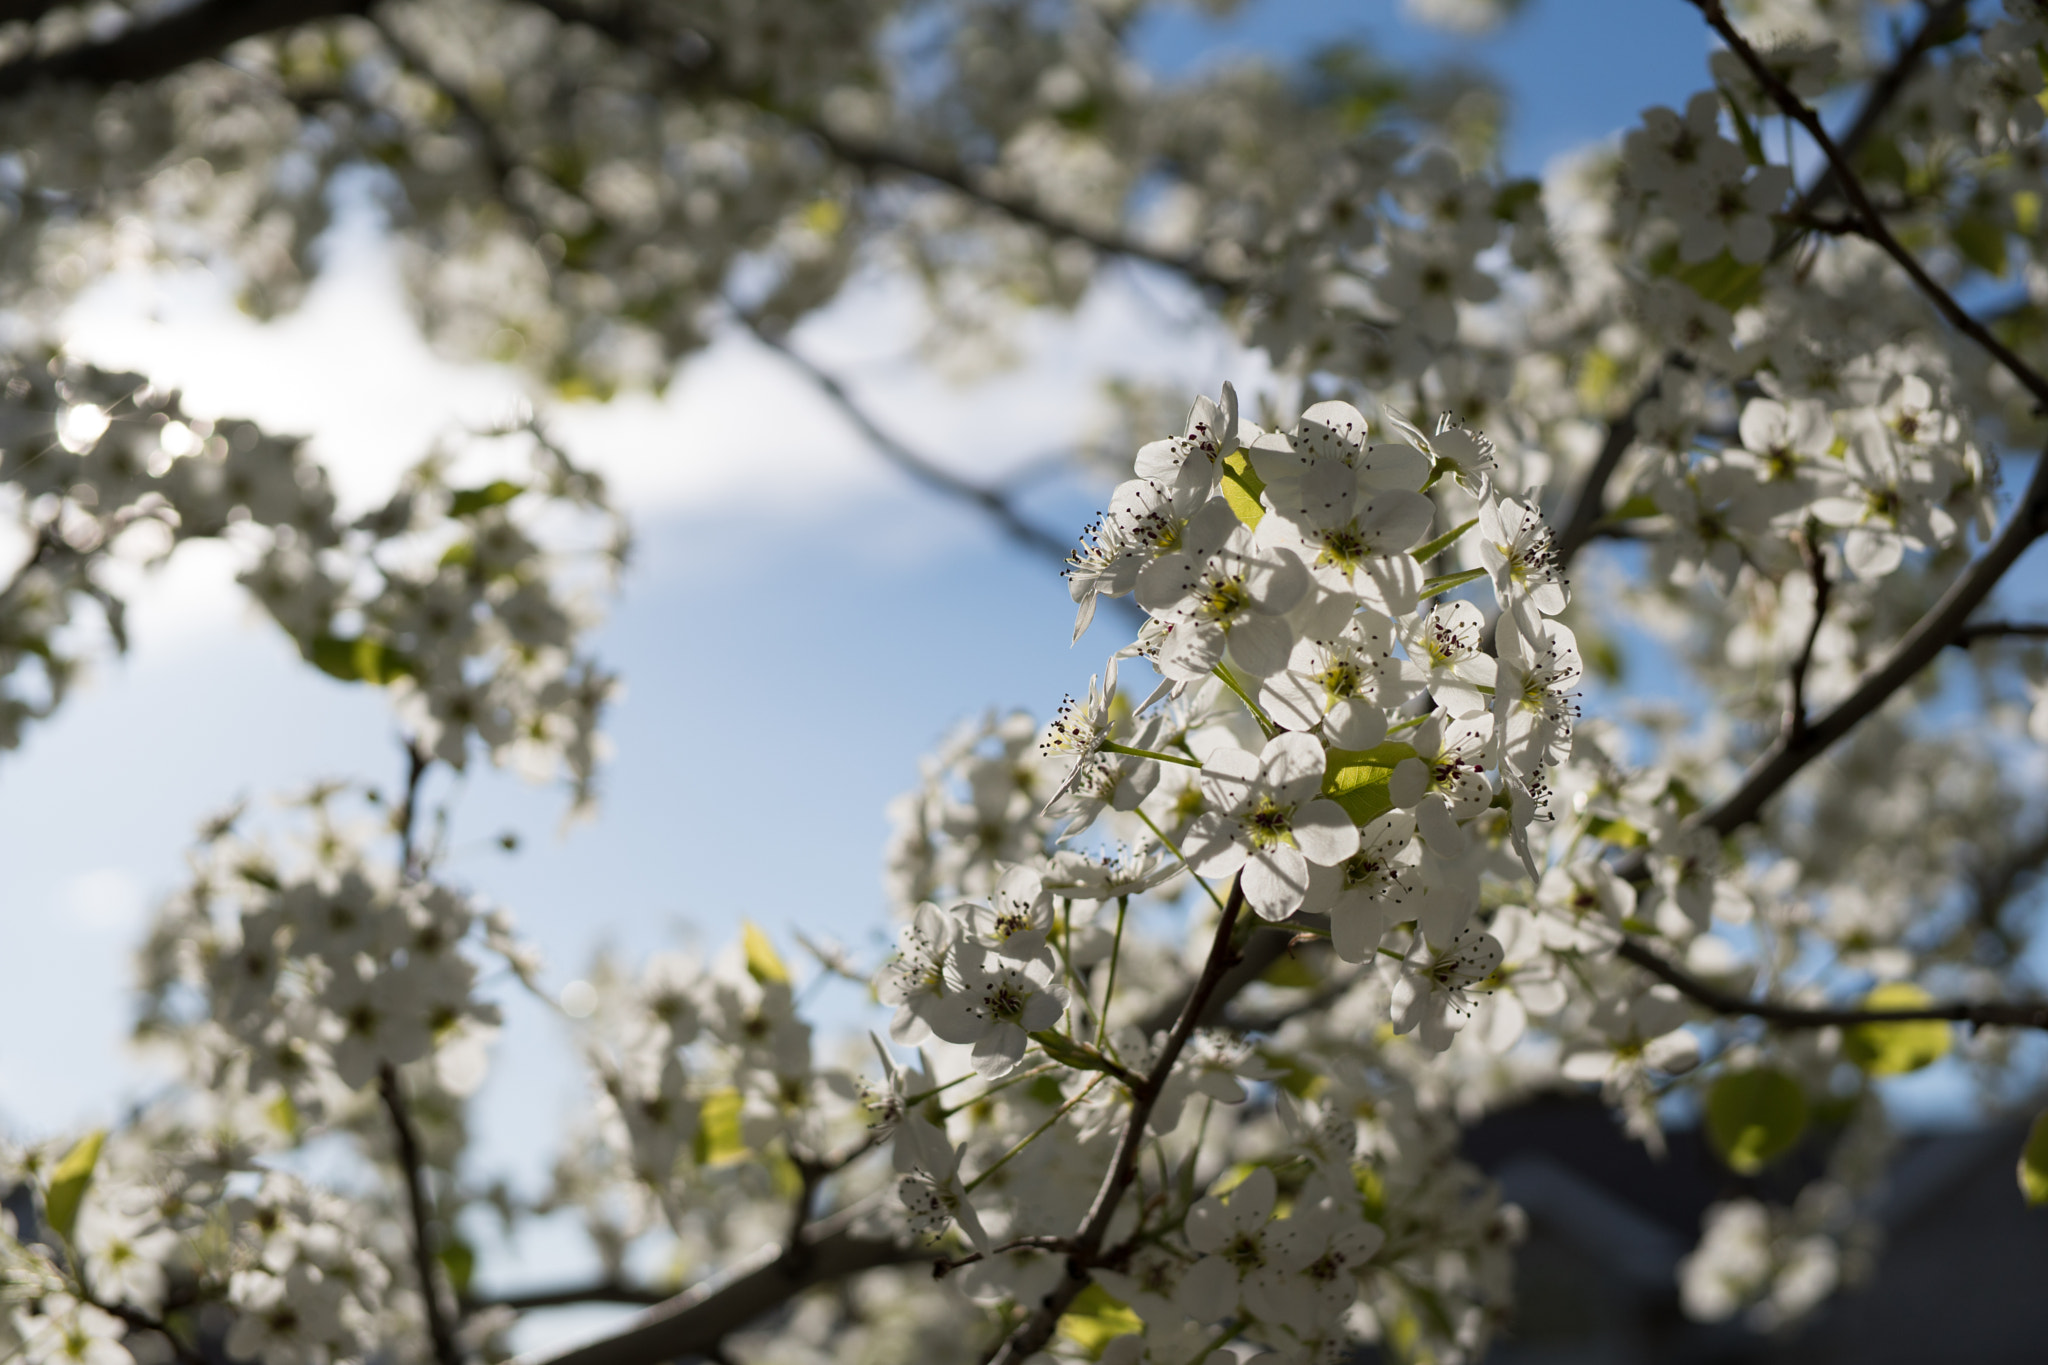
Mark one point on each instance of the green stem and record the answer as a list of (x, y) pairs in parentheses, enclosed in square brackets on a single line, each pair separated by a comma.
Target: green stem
[(1032, 1136), (1174, 849), (1230, 681), (1116, 944), (1112, 747)]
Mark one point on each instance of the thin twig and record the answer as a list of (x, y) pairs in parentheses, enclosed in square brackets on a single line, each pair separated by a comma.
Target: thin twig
[(1037, 1329), (599, 1291), (417, 761), (1817, 569), (409, 1163), (942, 1268), (1999, 630), (991, 500), (2009, 1014), (1874, 228)]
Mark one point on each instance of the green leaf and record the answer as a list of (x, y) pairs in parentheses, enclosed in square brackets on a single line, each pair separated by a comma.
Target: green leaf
[(1641, 505), (1242, 486), (718, 1141), (1095, 1319), (1754, 1117), (1620, 833), (358, 659), (467, 502), (2034, 1162), (458, 1262), (1752, 145), (68, 1183), (1291, 972), (1447, 581), (2026, 211), (1510, 199), (763, 963), (1356, 779), (1723, 280), (1981, 239), (1895, 1049), (1067, 1052), (1422, 554)]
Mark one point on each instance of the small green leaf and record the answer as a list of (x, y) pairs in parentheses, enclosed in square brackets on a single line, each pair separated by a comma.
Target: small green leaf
[(1639, 506), (1512, 197), (1242, 486), (1895, 1049), (1723, 280), (1447, 581), (458, 1262), (719, 1141), (1754, 1117), (358, 659), (461, 554), (1356, 779), (1067, 1052), (1095, 1319), (1981, 239), (2026, 211), (1290, 971), (68, 1183), (1620, 833), (763, 963), (467, 502), (2034, 1162), (1422, 554), (1752, 145)]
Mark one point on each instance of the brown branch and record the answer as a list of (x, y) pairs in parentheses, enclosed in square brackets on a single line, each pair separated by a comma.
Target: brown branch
[(406, 817), (600, 1291), (1851, 189), (1037, 1329), (161, 45), (410, 1166), (1817, 569), (2007, 1014), (991, 500), (1580, 522), (2000, 630), (1930, 635), (880, 156), (695, 1321)]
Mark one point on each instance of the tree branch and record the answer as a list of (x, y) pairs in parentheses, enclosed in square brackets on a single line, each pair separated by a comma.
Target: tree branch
[(1998, 630), (599, 1291), (1929, 636), (1817, 569), (161, 45), (1873, 222), (1037, 1329), (695, 1321), (2012, 1014), (991, 500), (409, 1163)]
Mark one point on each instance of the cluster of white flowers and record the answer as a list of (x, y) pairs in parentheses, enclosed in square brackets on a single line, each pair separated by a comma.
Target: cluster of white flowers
[(442, 593)]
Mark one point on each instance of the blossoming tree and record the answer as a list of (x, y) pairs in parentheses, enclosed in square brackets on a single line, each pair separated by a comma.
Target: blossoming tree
[(1198, 979)]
